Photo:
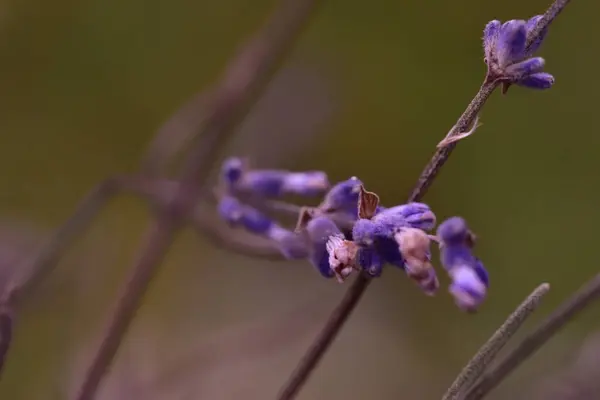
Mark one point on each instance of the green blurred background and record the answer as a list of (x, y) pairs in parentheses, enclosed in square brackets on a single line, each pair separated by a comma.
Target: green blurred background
[(369, 91)]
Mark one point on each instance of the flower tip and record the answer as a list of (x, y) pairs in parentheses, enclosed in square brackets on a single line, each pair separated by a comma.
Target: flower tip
[(454, 228), (539, 80), (511, 42), (232, 169)]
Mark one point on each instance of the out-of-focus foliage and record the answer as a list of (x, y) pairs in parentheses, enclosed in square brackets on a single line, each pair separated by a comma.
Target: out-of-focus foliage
[(85, 84)]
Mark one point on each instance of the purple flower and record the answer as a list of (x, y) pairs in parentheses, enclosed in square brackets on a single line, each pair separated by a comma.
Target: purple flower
[(274, 183), (290, 244), (507, 58), (232, 170), (271, 183), (230, 209), (370, 261), (469, 277), (319, 231), (467, 288), (342, 197)]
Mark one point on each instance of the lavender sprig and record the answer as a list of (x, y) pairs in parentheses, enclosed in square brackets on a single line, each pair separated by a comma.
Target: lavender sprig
[(509, 59), (341, 313)]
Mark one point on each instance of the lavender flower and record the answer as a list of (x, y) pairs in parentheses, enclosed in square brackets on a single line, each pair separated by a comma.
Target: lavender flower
[(507, 58), (290, 244), (327, 244), (467, 288), (370, 261), (272, 183), (232, 170), (342, 197), (377, 227), (469, 277)]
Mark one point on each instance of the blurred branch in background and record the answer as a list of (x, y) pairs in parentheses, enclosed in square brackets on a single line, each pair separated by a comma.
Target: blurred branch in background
[(579, 380), (243, 79)]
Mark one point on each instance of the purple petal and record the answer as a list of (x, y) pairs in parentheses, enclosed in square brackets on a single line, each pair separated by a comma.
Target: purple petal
[(255, 222), (230, 209), (521, 69), (540, 80), (453, 230), (342, 196), (490, 35), (232, 169), (482, 272), (267, 183), (538, 41), (319, 230), (370, 261), (511, 42)]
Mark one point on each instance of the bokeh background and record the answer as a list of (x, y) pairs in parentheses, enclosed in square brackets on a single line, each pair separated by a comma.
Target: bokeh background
[(369, 90)]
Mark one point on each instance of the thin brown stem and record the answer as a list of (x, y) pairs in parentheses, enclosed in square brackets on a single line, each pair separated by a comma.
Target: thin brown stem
[(532, 342)]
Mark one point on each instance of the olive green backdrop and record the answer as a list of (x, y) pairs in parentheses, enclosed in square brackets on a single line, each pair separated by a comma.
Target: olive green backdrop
[(369, 91)]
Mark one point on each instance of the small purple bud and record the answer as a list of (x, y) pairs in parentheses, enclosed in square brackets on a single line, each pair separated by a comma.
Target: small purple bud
[(522, 69), (256, 222), (370, 261), (232, 170), (540, 80), (456, 256), (452, 231), (506, 55), (490, 37), (342, 196), (230, 209), (535, 45), (309, 183), (511, 42), (268, 183), (319, 230), (468, 290)]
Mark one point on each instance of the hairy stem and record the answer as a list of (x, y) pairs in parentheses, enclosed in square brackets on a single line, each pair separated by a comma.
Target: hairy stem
[(475, 367), (532, 342)]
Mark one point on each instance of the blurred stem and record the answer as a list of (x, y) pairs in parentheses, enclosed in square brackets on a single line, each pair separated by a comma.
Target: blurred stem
[(6, 333), (563, 314), (475, 367), (243, 80)]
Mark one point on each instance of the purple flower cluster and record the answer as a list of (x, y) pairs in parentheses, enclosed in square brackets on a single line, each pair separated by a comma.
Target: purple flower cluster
[(508, 58), (470, 280), (397, 235)]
